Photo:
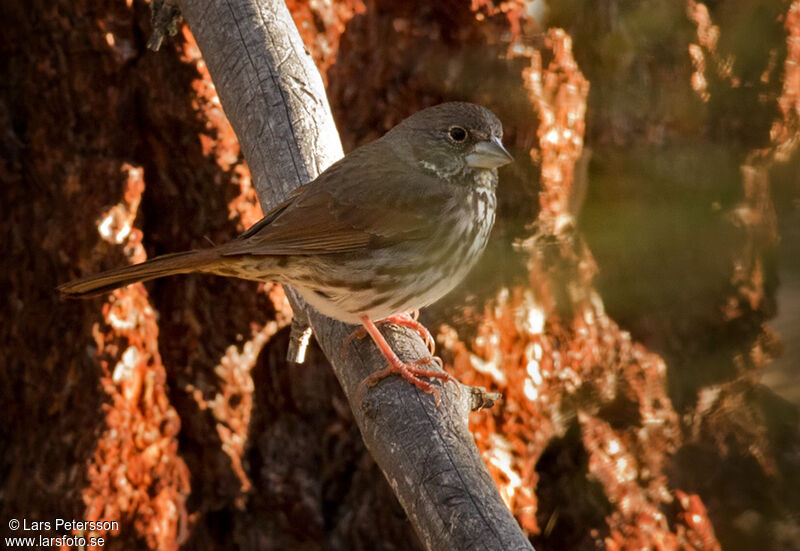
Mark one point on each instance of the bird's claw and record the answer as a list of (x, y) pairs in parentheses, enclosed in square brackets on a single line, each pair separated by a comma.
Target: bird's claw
[(411, 372), (359, 334)]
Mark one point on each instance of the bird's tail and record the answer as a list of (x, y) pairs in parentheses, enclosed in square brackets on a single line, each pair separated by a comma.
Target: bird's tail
[(168, 264)]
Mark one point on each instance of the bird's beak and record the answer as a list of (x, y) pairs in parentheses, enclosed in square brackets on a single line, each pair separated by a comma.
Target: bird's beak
[(489, 154)]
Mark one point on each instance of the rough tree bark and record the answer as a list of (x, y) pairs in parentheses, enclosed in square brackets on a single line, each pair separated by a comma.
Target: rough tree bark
[(273, 95)]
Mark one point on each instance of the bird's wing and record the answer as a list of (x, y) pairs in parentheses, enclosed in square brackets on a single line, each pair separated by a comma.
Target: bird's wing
[(369, 199)]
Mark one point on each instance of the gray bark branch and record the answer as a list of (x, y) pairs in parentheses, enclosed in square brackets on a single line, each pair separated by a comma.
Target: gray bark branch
[(273, 96)]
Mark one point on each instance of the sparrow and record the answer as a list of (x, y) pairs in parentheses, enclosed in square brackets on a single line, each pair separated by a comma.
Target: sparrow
[(388, 229)]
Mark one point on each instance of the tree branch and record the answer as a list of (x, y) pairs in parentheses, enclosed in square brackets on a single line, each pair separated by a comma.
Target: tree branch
[(274, 97)]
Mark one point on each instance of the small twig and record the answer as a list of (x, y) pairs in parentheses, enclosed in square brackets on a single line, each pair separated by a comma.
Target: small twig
[(480, 398), (301, 331), (164, 18), (298, 341)]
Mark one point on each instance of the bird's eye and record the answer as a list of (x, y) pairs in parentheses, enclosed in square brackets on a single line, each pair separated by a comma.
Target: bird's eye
[(457, 134)]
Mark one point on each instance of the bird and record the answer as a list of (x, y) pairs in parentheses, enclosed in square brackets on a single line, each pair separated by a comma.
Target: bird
[(388, 229)]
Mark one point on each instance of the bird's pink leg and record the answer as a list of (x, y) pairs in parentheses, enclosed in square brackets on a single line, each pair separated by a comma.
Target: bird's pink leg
[(406, 320), (409, 371)]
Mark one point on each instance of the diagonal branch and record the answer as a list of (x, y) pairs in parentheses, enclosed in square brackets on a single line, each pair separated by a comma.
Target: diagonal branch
[(274, 97)]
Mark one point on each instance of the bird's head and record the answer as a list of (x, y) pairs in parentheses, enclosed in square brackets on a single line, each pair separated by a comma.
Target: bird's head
[(451, 138)]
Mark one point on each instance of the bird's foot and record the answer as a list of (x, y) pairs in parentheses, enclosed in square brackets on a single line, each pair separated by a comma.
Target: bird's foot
[(411, 372)]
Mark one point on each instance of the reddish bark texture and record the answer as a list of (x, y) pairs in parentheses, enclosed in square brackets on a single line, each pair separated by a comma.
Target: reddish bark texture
[(570, 376), (172, 410)]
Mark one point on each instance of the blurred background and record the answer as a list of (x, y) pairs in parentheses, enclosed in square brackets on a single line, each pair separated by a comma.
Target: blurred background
[(638, 307)]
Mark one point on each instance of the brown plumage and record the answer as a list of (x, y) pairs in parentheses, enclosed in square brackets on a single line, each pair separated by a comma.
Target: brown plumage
[(389, 228)]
